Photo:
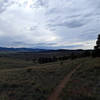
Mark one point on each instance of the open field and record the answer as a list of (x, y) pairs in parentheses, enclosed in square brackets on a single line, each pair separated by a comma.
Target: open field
[(23, 80), (85, 83), (8, 63)]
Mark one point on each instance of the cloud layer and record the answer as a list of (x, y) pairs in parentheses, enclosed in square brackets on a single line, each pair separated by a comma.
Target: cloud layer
[(71, 24)]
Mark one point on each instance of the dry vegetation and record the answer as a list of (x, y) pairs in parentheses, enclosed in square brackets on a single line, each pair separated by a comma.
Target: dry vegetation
[(36, 82), (85, 83)]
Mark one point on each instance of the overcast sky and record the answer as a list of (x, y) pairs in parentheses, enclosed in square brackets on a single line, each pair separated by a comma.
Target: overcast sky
[(70, 24)]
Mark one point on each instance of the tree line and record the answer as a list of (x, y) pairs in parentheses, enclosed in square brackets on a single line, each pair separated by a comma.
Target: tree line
[(42, 60)]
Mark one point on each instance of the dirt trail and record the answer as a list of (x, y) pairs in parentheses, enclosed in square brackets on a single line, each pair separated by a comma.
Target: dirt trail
[(57, 91)]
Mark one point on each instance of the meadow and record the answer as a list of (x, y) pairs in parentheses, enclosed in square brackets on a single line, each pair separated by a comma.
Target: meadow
[(24, 80), (85, 82)]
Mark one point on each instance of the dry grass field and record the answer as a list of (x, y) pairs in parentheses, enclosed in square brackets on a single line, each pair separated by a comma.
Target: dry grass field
[(22, 80), (85, 83)]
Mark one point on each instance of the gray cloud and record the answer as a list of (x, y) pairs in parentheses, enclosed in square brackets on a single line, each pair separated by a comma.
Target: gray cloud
[(49, 23), (41, 2), (4, 4), (72, 24)]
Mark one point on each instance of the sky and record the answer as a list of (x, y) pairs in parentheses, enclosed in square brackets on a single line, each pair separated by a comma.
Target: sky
[(49, 24)]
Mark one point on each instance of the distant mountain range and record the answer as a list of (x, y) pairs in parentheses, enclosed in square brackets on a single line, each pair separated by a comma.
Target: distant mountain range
[(4, 49)]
